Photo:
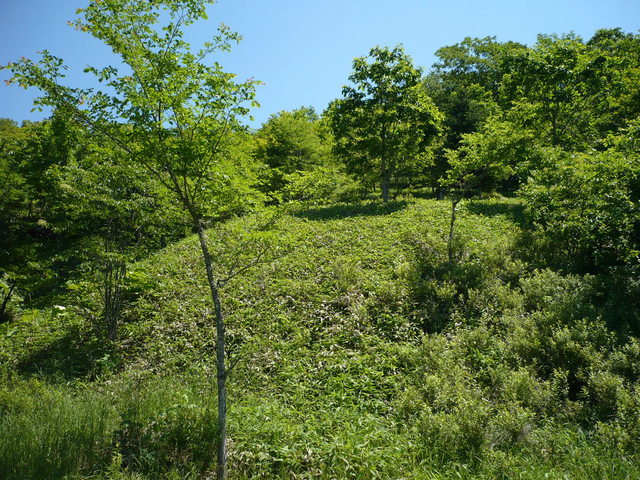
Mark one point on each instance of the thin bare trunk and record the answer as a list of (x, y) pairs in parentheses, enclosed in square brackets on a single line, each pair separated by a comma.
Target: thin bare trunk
[(454, 205), (385, 182), (221, 470), (5, 302), (114, 275)]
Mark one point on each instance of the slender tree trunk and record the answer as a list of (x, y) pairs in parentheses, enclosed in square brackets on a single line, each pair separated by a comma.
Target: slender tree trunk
[(5, 302), (454, 205), (221, 470), (384, 185), (114, 275)]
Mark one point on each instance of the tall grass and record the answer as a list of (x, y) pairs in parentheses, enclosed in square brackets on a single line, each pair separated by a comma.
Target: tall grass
[(149, 427), (48, 432)]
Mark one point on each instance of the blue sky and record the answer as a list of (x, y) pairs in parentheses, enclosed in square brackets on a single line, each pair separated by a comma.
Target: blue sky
[(302, 49)]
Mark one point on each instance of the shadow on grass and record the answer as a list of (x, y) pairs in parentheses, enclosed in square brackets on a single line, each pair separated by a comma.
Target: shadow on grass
[(77, 355), (491, 208), (345, 210)]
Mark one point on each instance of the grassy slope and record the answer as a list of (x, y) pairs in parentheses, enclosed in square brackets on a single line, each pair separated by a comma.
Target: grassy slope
[(335, 377)]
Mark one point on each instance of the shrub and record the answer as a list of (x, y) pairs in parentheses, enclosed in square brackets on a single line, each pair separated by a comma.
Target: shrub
[(320, 185)]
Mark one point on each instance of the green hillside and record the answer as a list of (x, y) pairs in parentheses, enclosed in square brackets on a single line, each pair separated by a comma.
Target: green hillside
[(358, 350)]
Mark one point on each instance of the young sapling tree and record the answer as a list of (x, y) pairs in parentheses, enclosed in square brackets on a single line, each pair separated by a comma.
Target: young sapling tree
[(170, 108)]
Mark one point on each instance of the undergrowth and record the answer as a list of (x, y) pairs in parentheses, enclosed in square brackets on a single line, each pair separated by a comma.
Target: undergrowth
[(362, 352)]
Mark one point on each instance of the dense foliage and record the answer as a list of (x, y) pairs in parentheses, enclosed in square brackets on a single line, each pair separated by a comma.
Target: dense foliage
[(385, 120), (491, 335)]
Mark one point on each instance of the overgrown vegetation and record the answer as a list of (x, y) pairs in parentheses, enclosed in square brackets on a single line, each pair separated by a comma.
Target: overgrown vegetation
[(363, 354), (490, 331)]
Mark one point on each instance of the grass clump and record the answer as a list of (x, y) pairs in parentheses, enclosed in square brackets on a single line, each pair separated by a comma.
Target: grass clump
[(143, 426)]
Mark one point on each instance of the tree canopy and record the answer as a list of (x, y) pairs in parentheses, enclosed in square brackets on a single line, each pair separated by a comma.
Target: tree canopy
[(385, 119)]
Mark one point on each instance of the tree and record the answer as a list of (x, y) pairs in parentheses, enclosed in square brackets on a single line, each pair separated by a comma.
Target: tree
[(170, 110), (119, 213), (483, 160), (385, 118), (584, 210), (291, 142), (12, 200), (464, 85), (619, 101), (30, 204), (474, 61), (559, 78)]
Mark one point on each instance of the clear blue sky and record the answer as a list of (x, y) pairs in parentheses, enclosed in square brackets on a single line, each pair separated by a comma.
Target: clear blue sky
[(303, 49)]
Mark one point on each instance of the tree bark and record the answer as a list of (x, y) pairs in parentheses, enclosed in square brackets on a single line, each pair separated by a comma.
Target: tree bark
[(114, 275), (384, 185), (454, 204), (221, 470), (5, 302)]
